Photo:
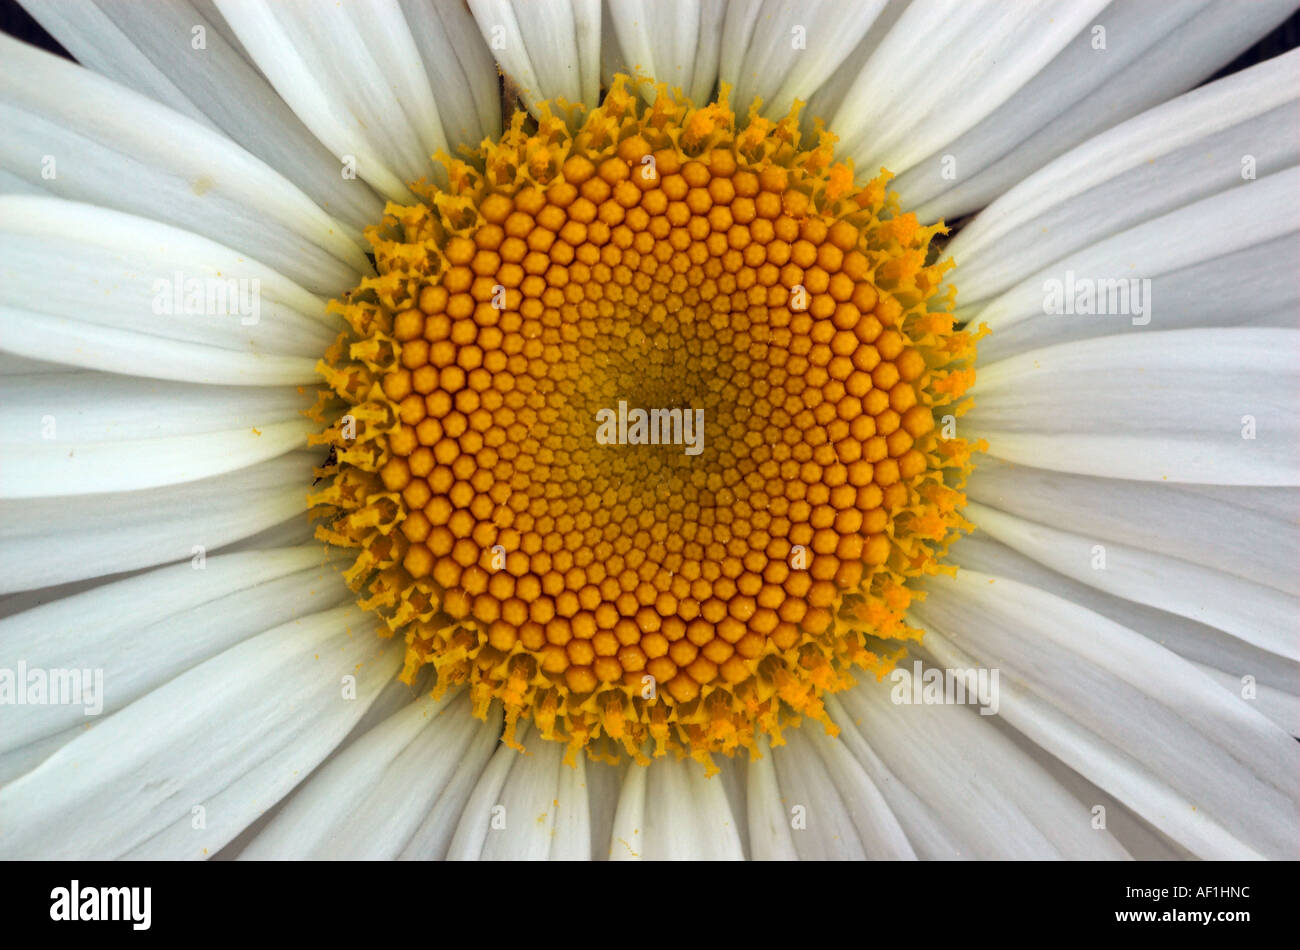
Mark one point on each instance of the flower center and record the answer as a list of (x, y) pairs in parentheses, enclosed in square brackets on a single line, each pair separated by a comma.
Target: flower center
[(641, 428)]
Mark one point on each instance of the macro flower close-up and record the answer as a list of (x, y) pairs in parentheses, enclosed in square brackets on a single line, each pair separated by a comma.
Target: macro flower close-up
[(649, 429)]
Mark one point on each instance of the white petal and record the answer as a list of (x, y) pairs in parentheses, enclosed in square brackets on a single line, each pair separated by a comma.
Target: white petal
[(572, 840), (1226, 223), (11, 365), (231, 736), (368, 801), (90, 467), (1119, 35), (548, 48), (1144, 64), (20, 761), (544, 807), (393, 697), (1279, 706), (841, 814), (1276, 503), (85, 138), (627, 840), (1167, 519), (50, 541), (1202, 766), (990, 795), (1256, 286), (671, 41), (1177, 406), (528, 805), (828, 98), (153, 51), (353, 74), (927, 82), (461, 71), (88, 32), (432, 839), (1188, 638), (295, 530), (1257, 614), (670, 811), (479, 816), (78, 434), (926, 832), (97, 288), (151, 628), (603, 783), (81, 343), (731, 773), (87, 263), (770, 834), (780, 51), (104, 407), (1176, 154), (11, 184), (1142, 840)]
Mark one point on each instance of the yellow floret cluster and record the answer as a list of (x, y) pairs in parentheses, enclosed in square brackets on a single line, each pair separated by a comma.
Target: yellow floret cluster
[(635, 598)]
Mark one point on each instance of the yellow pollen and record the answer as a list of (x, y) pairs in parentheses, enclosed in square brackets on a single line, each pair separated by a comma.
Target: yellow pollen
[(637, 598)]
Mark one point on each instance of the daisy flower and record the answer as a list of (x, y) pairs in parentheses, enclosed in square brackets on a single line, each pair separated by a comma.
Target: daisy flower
[(676, 429)]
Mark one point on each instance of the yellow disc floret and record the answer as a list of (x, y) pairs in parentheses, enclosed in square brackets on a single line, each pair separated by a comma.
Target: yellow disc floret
[(638, 597)]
